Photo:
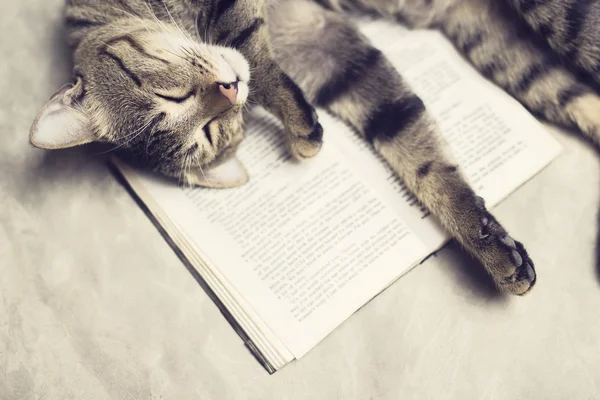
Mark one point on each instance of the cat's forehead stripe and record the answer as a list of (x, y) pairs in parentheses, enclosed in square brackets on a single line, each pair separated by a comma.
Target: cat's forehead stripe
[(121, 64), (136, 46)]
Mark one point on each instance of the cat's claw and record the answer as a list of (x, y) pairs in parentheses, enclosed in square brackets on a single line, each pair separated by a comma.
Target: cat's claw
[(522, 277), (505, 259)]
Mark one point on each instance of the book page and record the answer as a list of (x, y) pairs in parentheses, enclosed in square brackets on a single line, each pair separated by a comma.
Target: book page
[(303, 244), (495, 141)]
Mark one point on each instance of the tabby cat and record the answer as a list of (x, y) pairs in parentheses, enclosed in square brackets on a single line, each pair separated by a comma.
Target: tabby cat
[(166, 81)]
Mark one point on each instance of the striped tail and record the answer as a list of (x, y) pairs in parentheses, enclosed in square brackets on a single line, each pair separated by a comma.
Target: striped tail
[(503, 48), (571, 28), (484, 31)]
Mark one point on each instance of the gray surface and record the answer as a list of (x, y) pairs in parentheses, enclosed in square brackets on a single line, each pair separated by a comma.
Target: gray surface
[(94, 304)]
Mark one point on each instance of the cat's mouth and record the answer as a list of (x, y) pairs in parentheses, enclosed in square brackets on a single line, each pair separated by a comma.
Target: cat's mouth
[(231, 111), (214, 119), (210, 129), (206, 129)]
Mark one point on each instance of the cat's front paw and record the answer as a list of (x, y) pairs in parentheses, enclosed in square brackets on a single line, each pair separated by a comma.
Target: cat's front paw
[(505, 259), (584, 111), (519, 275), (307, 146)]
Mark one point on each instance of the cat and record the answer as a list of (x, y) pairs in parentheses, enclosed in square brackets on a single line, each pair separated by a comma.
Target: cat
[(165, 82)]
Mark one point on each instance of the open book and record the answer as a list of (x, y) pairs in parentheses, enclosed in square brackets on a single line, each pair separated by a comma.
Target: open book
[(296, 251)]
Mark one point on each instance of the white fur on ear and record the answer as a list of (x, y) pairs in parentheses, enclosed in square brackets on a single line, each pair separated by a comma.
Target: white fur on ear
[(60, 124), (228, 174)]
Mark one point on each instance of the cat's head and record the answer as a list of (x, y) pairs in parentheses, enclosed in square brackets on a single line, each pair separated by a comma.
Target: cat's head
[(165, 102)]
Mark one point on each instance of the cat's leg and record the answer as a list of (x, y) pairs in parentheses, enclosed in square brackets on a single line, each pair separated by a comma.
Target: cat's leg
[(338, 69), (241, 24)]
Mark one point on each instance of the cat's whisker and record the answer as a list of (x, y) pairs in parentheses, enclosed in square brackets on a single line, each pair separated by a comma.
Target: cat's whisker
[(187, 167), (204, 175), (250, 94), (127, 13), (176, 55), (108, 46), (152, 14), (130, 135), (137, 133), (187, 51), (207, 37), (184, 33), (190, 169), (191, 166), (194, 54), (182, 176), (175, 50), (197, 28), (159, 22), (148, 142), (186, 161), (139, 18), (247, 107)]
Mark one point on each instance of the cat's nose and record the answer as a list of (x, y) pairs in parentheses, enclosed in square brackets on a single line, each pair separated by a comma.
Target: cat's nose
[(229, 90)]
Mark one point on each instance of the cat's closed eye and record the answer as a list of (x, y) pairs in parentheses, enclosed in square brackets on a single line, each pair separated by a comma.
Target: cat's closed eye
[(176, 98)]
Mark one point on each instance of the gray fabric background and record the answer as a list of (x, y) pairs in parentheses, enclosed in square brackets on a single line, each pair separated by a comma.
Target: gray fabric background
[(95, 305)]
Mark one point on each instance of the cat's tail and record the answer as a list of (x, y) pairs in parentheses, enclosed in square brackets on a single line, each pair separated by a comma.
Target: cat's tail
[(571, 28), (491, 35), (525, 67)]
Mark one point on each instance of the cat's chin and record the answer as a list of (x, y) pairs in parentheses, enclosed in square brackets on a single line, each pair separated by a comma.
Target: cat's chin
[(225, 175)]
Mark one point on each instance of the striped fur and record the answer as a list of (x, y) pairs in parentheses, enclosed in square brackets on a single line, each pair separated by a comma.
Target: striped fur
[(148, 66), (386, 112), (533, 49), (570, 27)]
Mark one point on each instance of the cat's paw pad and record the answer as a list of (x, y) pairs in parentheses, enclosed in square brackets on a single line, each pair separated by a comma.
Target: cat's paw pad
[(308, 146), (521, 275), (504, 258)]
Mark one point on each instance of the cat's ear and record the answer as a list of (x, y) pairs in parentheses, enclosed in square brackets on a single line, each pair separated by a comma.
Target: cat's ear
[(227, 174), (61, 123)]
